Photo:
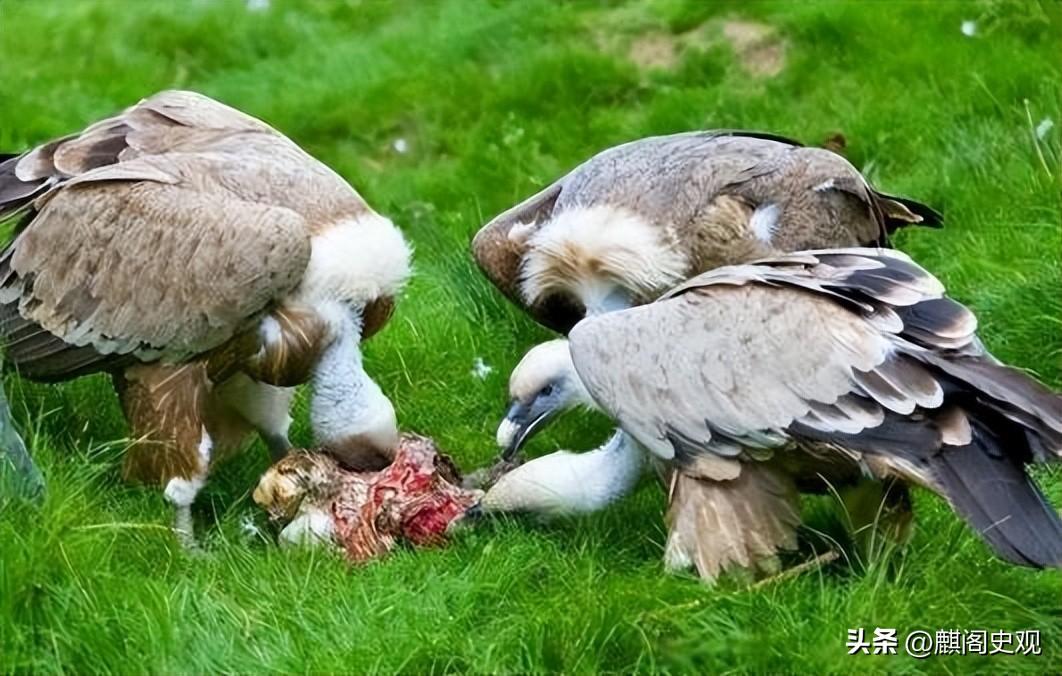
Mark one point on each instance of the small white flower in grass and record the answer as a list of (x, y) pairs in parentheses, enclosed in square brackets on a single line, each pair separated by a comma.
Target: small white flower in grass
[(248, 527), (1044, 127), (480, 369), (969, 28), (401, 146)]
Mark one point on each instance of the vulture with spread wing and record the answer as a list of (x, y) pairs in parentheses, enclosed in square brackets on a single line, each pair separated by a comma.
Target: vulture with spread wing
[(761, 378), (208, 264)]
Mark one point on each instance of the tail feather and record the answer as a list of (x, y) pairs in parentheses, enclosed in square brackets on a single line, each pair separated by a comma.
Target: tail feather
[(1000, 501), (900, 212), (984, 481), (15, 193), (1009, 392)]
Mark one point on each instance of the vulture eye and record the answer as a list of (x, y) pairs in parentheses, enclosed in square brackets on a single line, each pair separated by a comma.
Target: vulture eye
[(546, 391)]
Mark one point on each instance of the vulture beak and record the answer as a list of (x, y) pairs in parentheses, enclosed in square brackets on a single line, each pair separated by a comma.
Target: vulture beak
[(520, 424), (473, 513)]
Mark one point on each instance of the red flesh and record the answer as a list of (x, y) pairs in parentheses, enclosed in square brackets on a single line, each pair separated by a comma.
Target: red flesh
[(409, 500)]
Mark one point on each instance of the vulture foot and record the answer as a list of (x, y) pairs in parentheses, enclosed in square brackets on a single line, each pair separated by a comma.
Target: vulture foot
[(185, 531), (879, 516), (811, 564)]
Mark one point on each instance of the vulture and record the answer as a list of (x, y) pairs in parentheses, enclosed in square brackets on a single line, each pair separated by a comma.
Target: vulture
[(209, 265), (635, 220), (763, 379)]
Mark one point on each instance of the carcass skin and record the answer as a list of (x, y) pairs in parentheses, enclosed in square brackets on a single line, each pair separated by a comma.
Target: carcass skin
[(416, 499)]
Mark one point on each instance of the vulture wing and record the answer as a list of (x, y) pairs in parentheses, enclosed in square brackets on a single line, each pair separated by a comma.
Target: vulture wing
[(807, 198), (856, 350), (158, 233), (731, 359), (499, 249)]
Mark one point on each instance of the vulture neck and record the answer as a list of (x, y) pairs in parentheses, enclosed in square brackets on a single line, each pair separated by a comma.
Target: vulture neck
[(570, 483), (346, 404), (599, 297), (605, 474)]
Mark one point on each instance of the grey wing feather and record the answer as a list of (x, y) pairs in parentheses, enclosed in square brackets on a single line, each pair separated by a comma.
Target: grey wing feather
[(816, 340), (797, 347), (732, 360)]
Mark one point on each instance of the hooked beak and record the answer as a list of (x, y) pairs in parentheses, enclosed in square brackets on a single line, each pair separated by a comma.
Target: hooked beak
[(471, 514), (518, 427)]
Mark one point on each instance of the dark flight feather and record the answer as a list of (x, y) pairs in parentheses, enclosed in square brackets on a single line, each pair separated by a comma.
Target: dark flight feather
[(990, 488)]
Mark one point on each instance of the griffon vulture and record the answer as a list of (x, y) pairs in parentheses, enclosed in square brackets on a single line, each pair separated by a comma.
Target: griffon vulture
[(760, 378), (208, 264), (633, 221)]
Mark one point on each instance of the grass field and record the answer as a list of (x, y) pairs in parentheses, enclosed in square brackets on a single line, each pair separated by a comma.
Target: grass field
[(490, 101)]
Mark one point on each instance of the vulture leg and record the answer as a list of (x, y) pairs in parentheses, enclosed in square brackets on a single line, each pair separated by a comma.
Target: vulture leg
[(173, 441), (878, 513), (737, 523), (264, 407)]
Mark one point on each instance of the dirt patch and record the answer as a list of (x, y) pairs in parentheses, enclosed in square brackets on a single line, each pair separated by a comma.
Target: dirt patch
[(758, 47), (656, 51), (835, 142)]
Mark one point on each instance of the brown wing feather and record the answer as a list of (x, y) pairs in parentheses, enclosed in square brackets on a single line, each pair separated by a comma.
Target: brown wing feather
[(717, 525), (138, 130), (703, 189), (500, 245), (15, 193), (144, 268), (159, 232), (44, 356), (257, 163)]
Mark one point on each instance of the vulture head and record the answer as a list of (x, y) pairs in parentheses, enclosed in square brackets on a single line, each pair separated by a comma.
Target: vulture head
[(542, 385)]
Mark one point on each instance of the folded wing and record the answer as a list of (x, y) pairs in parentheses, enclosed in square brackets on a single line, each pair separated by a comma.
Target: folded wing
[(159, 233), (856, 351)]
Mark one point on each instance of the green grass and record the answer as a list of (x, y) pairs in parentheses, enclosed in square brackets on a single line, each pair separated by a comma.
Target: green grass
[(495, 99)]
